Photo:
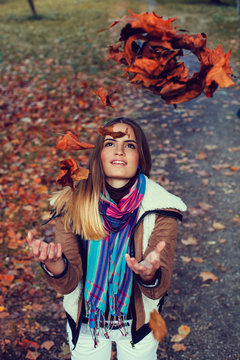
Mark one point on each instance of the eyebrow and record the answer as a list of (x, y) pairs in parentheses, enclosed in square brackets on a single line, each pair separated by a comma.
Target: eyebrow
[(126, 141)]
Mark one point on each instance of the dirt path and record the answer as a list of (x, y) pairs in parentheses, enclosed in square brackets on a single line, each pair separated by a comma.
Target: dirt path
[(196, 155)]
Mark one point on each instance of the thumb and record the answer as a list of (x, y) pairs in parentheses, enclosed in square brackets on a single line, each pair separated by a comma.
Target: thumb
[(160, 246)]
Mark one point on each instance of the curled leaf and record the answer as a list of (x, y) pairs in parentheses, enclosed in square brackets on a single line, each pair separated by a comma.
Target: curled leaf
[(104, 96), (114, 134), (71, 142), (69, 172), (158, 326)]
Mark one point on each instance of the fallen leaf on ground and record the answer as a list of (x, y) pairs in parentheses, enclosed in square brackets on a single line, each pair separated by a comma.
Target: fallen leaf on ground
[(185, 259), (206, 275), (32, 355), (201, 156), (179, 347), (218, 226), (190, 241), (204, 205), (158, 326), (6, 279), (47, 345), (198, 260)]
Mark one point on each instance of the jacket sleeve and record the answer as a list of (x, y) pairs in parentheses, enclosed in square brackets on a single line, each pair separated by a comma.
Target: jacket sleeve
[(69, 279), (165, 230)]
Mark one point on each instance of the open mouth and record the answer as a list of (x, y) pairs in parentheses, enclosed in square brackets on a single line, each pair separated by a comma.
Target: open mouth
[(118, 162)]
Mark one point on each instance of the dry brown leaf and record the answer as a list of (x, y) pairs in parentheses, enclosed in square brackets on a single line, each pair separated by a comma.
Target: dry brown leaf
[(218, 226), (185, 259), (71, 142), (47, 344), (179, 347), (32, 355), (158, 326), (201, 156), (204, 205), (235, 168), (198, 260), (206, 275), (184, 330), (177, 338), (190, 241), (221, 166)]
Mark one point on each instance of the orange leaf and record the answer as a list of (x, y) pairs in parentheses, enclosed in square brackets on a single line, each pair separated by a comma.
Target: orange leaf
[(158, 326), (70, 171), (104, 96), (114, 134), (6, 279), (206, 275), (71, 142), (179, 347)]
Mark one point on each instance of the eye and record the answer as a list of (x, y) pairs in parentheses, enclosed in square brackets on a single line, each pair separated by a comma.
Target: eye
[(108, 143), (131, 146)]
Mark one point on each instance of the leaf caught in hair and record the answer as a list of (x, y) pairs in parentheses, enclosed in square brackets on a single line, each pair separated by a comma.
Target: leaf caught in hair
[(154, 53), (69, 172), (158, 325), (114, 134), (104, 96), (71, 142)]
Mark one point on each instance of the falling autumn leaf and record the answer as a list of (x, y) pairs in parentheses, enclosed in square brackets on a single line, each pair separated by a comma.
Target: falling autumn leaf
[(71, 142), (152, 49), (104, 96), (158, 325), (69, 172), (114, 134), (206, 275)]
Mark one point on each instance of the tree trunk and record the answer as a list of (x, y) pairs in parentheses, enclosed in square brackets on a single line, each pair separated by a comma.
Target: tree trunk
[(32, 6)]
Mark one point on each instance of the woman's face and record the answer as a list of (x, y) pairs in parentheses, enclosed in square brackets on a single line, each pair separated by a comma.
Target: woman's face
[(120, 157)]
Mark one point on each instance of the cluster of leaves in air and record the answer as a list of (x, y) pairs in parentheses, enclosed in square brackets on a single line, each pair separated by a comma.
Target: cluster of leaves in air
[(152, 50)]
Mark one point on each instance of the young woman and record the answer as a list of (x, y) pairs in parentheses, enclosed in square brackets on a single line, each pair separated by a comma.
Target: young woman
[(114, 249)]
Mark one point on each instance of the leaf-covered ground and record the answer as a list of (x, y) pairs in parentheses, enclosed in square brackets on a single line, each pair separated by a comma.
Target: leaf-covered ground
[(49, 70)]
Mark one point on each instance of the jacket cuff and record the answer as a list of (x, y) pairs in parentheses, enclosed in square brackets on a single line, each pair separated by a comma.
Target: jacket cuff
[(43, 266), (154, 282)]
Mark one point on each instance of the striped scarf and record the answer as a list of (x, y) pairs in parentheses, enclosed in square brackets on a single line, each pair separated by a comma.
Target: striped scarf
[(109, 279)]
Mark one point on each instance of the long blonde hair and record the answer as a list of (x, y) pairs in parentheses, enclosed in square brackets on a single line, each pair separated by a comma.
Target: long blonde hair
[(80, 208)]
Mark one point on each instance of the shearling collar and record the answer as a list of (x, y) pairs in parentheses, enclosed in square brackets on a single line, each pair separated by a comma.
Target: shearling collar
[(156, 197)]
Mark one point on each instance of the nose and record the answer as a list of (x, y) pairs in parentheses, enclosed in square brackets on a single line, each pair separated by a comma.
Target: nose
[(119, 149)]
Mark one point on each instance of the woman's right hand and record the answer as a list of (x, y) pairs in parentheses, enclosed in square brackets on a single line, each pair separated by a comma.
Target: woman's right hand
[(49, 254)]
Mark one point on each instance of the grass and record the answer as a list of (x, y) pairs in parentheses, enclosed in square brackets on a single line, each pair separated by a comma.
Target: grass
[(67, 30)]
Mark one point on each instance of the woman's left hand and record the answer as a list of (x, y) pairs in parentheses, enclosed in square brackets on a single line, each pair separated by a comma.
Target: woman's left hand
[(147, 268)]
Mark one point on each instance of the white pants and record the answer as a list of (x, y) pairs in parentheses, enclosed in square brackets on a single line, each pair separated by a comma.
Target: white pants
[(146, 349)]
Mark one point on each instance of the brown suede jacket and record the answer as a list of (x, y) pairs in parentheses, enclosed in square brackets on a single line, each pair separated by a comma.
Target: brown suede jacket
[(153, 226)]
